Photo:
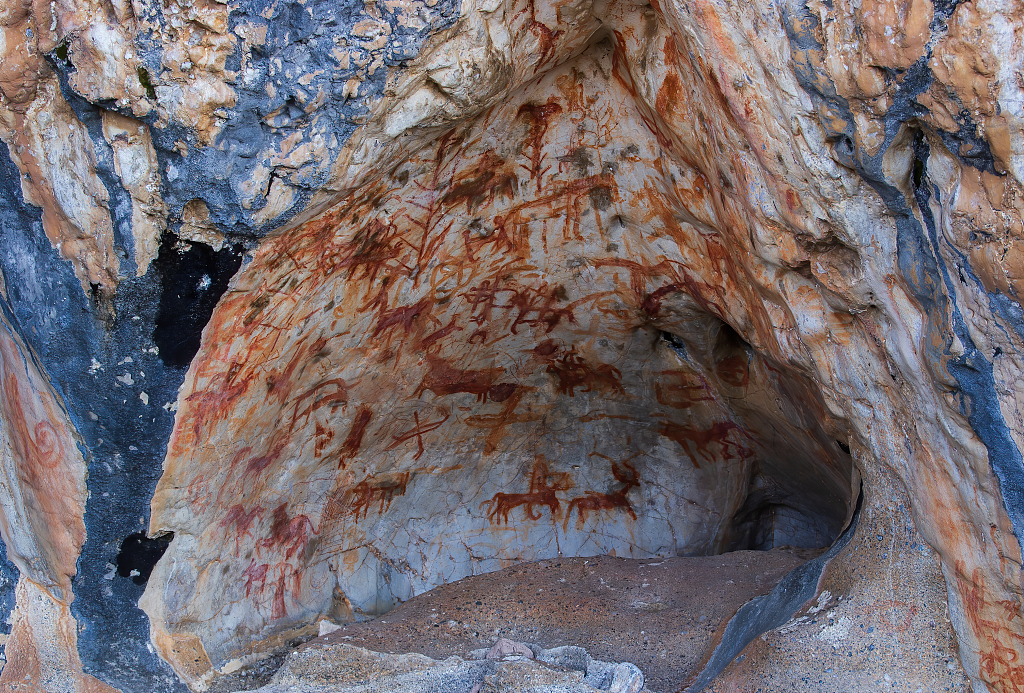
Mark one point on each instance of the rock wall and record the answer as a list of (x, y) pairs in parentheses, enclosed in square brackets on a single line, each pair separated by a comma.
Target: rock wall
[(396, 293)]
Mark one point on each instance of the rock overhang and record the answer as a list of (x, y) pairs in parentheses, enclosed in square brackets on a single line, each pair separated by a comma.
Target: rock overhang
[(811, 301), (513, 346)]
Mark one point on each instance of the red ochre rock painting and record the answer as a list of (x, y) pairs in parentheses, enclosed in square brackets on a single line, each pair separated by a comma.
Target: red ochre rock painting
[(631, 279), (482, 323), (585, 316), (544, 488)]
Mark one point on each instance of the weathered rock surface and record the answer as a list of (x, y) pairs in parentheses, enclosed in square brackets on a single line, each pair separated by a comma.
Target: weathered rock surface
[(663, 615), (346, 302), (879, 621), (504, 668)]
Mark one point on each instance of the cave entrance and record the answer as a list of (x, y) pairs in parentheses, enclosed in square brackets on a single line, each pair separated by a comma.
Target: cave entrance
[(538, 337), (639, 444)]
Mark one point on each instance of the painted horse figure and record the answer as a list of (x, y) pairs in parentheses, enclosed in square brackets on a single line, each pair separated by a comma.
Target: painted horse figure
[(543, 488), (626, 475)]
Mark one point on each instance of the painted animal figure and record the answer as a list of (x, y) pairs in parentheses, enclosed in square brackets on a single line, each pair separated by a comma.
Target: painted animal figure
[(292, 534), (626, 475), (543, 488), (242, 521), (362, 495), (573, 372), (678, 390), (443, 380), (403, 317), (542, 303), (701, 439), (318, 397), (255, 574), (255, 466), (504, 503)]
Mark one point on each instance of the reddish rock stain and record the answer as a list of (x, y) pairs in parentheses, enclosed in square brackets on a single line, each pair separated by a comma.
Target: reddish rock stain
[(355, 435)]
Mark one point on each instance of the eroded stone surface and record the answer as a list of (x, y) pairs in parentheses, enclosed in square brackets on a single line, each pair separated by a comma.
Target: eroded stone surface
[(879, 620), (663, 615), (344, 668)]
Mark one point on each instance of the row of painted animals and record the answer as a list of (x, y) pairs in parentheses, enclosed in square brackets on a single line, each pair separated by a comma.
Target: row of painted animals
[(544, 486)]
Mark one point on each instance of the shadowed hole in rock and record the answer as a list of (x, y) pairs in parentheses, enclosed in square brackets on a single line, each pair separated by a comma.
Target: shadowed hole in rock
[(193, 277), (789, 499), (139, 554)]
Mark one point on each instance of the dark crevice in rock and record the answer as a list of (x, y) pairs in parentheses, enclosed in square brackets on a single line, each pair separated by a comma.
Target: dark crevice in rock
[(193, 277), (779, 508), (729, 342), (8, 579), (770, 518), (974, 374), (967, 145), (139, 554), (944, 8), (676, 344), (146, 82)]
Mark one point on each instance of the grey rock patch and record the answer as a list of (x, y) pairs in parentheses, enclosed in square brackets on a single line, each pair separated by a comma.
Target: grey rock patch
[(505, 647), (504, 668)]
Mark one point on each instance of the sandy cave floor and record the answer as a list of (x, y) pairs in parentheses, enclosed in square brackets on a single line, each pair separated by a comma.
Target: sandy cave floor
[(661, 614)]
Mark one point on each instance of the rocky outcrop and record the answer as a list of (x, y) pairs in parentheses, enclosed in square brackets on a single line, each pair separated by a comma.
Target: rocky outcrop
[(341, 304), (43, 499), (506, 667)]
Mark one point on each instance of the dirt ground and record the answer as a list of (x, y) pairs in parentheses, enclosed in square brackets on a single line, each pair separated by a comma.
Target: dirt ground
[(660, 614)]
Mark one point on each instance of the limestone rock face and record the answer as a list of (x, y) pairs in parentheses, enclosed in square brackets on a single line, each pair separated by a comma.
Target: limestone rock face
[(342, 302), (474, 366)]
